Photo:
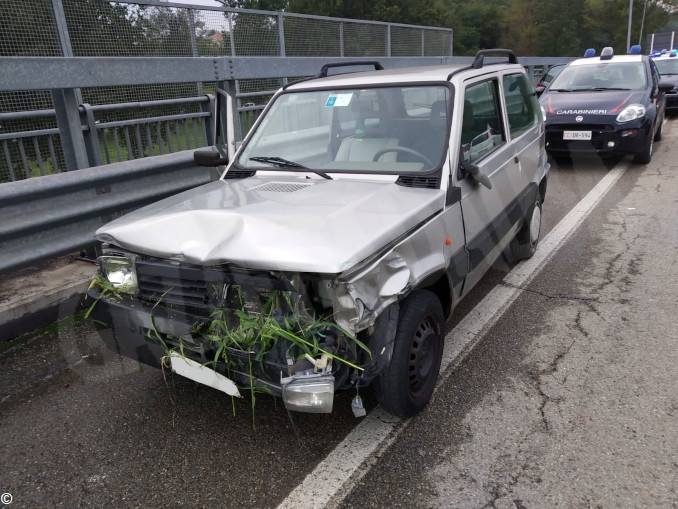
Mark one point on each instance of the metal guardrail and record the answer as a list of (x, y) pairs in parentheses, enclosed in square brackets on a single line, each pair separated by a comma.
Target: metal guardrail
[(58, 214)]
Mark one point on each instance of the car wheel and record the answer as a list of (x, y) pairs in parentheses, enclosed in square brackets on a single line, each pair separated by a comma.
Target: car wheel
[(405, 386), (658, 134), (524, 245), (645, 156)]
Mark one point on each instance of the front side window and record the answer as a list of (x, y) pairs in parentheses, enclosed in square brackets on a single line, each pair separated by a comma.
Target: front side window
[(378, 130), (607, 76), (482, 129), (521, 104)]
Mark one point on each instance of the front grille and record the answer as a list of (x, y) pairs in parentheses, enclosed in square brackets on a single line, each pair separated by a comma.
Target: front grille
[(176, 286), (197, 290)]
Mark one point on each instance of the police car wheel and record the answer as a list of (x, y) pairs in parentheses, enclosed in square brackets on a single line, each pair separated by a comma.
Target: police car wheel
[(645, 156), (524, 245), (406, 385)]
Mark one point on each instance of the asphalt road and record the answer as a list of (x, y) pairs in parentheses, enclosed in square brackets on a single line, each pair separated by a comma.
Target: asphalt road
[(568, 399)]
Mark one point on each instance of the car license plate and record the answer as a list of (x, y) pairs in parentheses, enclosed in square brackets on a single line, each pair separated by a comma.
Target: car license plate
[(577, 135)]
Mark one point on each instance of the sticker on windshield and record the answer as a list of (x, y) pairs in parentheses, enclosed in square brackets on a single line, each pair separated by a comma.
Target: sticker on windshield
[(338, 100)]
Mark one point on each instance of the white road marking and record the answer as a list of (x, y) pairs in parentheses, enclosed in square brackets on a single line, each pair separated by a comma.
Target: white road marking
[(334, 477)]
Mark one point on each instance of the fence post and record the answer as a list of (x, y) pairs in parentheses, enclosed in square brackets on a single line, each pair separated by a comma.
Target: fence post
[(91, 136), (451, 43), (281, 40), (423, 52), (70, 129), (388, 40), (341, 38), (194, 44)]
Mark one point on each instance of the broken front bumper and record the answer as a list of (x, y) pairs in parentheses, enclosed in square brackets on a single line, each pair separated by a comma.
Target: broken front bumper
[(128, 328)]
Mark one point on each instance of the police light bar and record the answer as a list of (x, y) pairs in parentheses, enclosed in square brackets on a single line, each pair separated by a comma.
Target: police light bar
[(673, 54), (590, 52), (607, 53), (635, 49)]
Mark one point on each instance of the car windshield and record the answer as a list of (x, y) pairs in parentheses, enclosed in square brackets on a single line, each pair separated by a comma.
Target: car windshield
[(667, 67), (603, 76), (552, 73), (376, 130)]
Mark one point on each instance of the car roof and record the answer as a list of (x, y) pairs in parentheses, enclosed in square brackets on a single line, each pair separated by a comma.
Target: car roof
[(614, 59), (418, 75)]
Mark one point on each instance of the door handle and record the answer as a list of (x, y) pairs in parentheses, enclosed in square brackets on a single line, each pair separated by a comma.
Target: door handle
[(516, 160)]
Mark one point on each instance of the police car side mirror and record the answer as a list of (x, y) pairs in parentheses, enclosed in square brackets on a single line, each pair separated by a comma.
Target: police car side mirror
[(209, 157), (665, 86)]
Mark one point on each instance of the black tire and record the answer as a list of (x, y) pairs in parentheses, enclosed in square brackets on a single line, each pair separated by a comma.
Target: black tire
[(645, 156), (405, 386), (524, 245)]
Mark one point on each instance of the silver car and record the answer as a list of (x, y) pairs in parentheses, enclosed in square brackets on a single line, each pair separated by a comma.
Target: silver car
[(358, 212)]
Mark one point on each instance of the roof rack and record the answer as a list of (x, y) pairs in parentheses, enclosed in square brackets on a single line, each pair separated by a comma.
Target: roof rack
[(323, 70), (479, 60)]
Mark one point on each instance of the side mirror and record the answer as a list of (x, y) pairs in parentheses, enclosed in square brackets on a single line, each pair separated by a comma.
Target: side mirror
[(209, 157), (539, 89), (666, 86), (474, 172)]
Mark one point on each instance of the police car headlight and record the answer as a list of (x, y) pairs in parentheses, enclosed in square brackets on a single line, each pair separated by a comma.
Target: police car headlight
[(631, 112), (120, 273)]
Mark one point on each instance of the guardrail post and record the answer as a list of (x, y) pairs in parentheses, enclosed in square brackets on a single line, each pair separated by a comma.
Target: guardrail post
[(210, 122), (91, 136), (230, 87), (68, 120)]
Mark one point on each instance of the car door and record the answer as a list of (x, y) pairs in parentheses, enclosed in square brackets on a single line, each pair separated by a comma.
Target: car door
[(524, 126), (484, 143)]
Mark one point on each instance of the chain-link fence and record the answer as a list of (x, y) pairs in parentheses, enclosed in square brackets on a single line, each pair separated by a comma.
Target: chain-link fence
[(662, 41), (30, 144)]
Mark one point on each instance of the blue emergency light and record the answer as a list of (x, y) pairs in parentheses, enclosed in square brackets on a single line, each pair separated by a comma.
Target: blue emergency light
[(590, 52), (673, 54), (635, 49)]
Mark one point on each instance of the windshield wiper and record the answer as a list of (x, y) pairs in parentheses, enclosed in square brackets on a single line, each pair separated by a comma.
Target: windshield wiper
[(600, 89), (286, 163)]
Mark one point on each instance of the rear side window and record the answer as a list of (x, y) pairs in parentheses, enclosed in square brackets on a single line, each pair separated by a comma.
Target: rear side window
[(521, 104), (482, 130)]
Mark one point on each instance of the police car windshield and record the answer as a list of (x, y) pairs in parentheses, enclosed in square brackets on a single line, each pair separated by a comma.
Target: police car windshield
[(667, 67), (603, 76), (375, 130)]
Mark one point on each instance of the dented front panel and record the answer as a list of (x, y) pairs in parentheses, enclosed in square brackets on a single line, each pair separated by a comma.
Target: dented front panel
[(361, 295)]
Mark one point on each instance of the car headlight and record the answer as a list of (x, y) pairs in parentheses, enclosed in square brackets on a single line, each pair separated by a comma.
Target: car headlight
[(120, 272), (543, 112), (631, 112)]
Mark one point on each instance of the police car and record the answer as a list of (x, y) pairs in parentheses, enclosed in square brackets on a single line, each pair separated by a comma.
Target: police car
[(667, 65), (611, 104)]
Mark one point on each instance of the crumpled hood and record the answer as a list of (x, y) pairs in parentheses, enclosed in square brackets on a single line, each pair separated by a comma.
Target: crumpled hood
[(275, 223), (594, 107)]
